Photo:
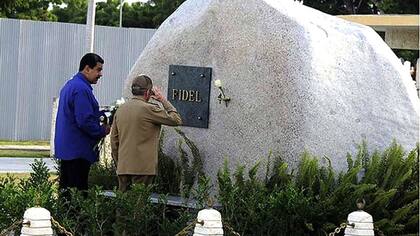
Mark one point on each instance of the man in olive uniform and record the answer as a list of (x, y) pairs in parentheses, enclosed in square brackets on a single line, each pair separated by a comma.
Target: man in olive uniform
[(136, 130)]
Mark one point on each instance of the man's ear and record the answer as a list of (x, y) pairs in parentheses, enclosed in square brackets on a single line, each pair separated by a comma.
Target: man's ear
[(86, 69)]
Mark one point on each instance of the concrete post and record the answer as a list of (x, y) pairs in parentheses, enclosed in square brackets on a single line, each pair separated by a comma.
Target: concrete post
[(121, 9), (359, 223), (36, 221), (90, 25), (53, 119), (212, 223)]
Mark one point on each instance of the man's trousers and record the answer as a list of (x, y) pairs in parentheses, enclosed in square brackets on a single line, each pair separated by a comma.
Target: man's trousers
[(125, 181)]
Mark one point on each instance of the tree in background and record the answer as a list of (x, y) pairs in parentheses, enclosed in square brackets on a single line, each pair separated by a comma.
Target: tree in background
[(148, 14), (139, 14), (152, 13), (108, 13), (399, 7), (74, 11), (346, 7), (6, 6), (343, 7), (28, 9)]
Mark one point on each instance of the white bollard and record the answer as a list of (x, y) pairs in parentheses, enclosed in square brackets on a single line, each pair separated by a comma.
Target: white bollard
[(36, 221), (212, 223), (359, 223)]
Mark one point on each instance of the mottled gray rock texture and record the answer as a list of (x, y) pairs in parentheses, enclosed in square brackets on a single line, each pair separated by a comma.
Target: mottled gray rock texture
[(299, 80)]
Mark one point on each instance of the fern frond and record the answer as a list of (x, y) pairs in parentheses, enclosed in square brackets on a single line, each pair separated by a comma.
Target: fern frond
[(402, 212), (383, 198), (349, 161), (239, 175), (252, 173), (373, 169), (393, 156)]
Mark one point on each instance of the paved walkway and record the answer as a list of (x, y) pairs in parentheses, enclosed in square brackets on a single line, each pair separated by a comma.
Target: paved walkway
[(22, 164), (25, 147), (170, 200)]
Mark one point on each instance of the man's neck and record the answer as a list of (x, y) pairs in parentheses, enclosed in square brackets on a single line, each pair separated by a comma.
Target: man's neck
[(141, 97), (85, 76)]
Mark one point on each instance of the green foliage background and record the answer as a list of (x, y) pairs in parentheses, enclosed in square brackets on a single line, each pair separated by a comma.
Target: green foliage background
[(316, 199), (312, 200), (152, 13)]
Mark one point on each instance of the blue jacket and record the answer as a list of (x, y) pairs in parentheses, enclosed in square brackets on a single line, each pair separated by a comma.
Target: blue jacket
[(77, 128)]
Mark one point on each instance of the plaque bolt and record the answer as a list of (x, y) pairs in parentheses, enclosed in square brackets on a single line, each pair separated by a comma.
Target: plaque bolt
[(173, 73), (199, 118), (202, 76)]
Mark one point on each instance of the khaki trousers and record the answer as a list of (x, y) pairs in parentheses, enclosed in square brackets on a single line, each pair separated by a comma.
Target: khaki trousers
[(125, 181)]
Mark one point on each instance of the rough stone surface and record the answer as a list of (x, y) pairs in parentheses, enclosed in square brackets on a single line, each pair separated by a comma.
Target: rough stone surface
[(299, 80)]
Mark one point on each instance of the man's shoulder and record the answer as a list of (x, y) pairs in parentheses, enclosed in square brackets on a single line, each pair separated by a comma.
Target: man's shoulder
[(131, 104), (140, 104), (154, 107), (77, 85)]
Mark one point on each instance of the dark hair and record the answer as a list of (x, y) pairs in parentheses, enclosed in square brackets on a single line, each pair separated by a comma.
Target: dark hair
[(90, 59), (141, 84)]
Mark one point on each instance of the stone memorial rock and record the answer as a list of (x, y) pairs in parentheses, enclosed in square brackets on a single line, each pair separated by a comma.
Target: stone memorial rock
[(299, 80)]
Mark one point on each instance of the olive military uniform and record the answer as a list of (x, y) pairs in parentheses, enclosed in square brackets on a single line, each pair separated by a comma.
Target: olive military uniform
[(135, 138)]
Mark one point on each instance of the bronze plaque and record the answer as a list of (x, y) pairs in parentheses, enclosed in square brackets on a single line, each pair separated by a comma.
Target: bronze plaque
[(189, 92)]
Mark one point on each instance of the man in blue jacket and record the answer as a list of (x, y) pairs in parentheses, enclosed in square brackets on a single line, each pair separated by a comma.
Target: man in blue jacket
[(78, 128)]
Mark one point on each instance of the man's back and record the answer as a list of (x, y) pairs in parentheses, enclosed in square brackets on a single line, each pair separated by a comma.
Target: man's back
[(77, 129), (137, 124)]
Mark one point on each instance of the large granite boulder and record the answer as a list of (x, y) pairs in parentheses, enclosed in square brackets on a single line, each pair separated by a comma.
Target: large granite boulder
[(299, 80)]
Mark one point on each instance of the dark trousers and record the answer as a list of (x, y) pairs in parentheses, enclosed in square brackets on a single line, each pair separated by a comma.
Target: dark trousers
[(74, 174)]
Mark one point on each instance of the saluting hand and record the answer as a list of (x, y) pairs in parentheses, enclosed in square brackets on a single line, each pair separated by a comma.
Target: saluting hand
[(158, 94)]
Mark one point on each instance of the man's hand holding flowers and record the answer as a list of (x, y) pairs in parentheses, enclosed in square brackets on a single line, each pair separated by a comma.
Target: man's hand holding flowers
[(106, 120)]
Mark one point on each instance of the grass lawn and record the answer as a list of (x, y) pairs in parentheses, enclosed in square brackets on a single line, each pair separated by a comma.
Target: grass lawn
[(19, 153), (29, 142), (15, 175), (24, 175)]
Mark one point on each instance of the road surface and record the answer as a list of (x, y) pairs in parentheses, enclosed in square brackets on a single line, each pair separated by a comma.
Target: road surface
[(22, 164)]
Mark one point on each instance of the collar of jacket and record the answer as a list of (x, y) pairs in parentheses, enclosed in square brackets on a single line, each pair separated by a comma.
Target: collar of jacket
[(139, 98), (82, 77)]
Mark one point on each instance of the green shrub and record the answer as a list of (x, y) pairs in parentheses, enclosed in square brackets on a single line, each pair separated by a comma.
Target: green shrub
[(93, 213), (168, 179), (130, 212), (18, 195), (312, 200), (103, 175), (315, 200), (177, 175)]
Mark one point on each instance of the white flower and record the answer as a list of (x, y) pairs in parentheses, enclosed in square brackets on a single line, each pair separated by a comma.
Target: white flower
[(108, 113), (120, 102), (218, 83)]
